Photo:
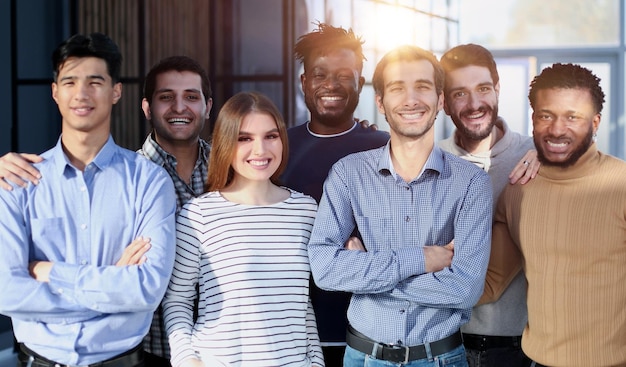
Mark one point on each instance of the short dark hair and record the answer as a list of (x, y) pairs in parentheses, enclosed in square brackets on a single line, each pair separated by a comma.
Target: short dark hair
[(176, 63), (567, 76), (406, 53), (469, 54), (325, 39), (92, 45)]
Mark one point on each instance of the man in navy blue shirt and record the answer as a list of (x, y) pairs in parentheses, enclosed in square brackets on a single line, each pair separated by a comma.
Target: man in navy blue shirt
[(331, 82)]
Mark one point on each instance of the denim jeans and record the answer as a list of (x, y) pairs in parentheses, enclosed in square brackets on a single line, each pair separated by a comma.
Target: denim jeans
[(497, 357), (454, 358)]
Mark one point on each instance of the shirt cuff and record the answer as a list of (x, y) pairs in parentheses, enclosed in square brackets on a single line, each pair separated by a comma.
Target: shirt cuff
[(410, 262)]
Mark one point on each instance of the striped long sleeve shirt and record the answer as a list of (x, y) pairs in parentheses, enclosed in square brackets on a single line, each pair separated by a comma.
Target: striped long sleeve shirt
[(252, 268)]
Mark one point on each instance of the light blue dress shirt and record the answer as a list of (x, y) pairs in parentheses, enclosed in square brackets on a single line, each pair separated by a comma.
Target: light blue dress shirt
[(90, 310), (395, 301)]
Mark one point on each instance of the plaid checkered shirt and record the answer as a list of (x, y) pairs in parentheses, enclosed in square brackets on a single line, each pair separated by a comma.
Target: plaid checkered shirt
[(156, 341)]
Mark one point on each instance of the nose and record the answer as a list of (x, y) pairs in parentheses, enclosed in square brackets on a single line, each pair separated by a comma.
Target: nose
[(331, 81), (411, 98), (558, 126), (474, 101), (258, 147), (178, 104), (81, 92)]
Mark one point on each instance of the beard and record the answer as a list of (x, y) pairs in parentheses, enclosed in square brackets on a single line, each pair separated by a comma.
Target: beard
[(578, 152), (473, 134)]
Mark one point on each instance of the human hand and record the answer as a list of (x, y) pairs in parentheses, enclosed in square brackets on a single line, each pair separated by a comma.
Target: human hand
[(354, 243), (437, 258), (192, 362), (40, 270), (134, 254), (18, 168), (365, 124), (526, 169)]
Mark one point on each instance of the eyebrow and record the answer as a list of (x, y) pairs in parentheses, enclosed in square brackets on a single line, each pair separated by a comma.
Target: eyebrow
[(274, 130), (485, 84), (90, 77), (167, 90), (402, 82)]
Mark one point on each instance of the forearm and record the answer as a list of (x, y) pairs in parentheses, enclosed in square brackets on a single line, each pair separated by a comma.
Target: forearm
[(505, 261)]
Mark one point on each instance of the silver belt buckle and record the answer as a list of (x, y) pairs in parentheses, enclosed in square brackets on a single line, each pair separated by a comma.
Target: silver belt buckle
[(406, 351)]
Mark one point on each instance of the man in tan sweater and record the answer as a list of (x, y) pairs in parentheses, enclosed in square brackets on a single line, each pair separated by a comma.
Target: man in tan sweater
[(567, 229)]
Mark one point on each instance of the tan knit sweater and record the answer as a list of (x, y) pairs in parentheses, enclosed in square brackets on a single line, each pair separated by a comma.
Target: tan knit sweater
[(570, 225)]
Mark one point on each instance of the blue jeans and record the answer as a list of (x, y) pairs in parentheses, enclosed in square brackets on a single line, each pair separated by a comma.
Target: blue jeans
[(454, 358)]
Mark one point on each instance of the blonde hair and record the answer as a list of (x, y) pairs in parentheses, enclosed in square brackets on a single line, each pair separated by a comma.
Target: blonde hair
[(226, 136)]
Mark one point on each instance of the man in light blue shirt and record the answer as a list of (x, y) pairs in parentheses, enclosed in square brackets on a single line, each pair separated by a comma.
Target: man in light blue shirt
[(406, 200), (77, 293)]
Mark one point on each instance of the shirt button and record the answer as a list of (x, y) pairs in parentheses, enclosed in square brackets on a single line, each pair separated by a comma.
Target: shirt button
[(83, 226), (83, 262), (60, 290), (402, 311), (83, 188), (407, 219)]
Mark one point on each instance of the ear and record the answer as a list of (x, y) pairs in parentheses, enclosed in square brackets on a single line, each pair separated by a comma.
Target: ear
[(446, 109), (596, 122), (145, 106), (379, 104), (497, 89), (55, 88), (209, 105), (361, 83), (440, 101), (302, 80), (117, 92)]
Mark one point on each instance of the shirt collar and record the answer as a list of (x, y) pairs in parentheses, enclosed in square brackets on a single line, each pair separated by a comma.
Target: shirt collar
[(155, 153), (434, 162), (102, 159)]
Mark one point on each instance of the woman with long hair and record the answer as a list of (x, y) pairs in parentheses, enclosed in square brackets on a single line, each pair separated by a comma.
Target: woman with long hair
[(243, 243)]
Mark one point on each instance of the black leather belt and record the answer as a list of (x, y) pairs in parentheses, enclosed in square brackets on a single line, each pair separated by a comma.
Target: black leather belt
[(399, 353), (482, 343), (127, 359)]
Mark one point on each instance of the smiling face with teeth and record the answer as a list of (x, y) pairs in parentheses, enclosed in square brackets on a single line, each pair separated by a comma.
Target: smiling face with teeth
[(564, 121), (410, 101), (331, 84), (178, 109), (471, 101), (259, 149)]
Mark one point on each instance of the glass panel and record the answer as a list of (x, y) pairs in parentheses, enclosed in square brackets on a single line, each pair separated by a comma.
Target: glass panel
[(273, 90), (34, 48), (257, 41), (540, 23), (338, 13), (39, 124), (513, 103)]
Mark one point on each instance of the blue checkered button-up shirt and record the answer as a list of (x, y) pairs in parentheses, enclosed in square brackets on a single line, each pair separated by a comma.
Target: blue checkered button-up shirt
[(156, 341), (394, 300)]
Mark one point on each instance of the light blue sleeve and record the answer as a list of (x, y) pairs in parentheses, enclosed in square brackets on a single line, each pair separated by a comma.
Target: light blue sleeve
[(335, 268), (461, 285), (24, 297), (136, 288)]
